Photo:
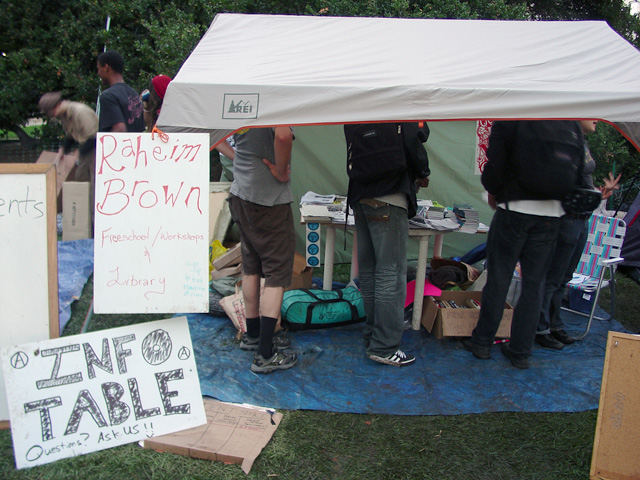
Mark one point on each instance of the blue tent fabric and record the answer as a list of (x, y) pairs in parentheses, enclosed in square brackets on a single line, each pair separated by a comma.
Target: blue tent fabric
[(75, 266), (333, 374)]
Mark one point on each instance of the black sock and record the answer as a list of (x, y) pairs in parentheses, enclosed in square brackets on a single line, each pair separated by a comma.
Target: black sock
[(267, 329), (253, 327)]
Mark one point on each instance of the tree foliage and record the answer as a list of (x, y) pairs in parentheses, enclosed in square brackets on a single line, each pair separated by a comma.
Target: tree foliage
[(50, 45), (53, 44)]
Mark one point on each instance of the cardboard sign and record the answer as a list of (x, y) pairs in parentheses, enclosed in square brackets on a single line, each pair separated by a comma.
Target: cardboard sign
[(151, 223), (83, 393), (233, 434)]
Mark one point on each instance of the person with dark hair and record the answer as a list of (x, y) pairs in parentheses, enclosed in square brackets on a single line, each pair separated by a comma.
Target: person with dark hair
[(152, 99), (119, 106)]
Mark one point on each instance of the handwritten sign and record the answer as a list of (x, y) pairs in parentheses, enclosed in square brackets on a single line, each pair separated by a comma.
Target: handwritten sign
[(151, 223), (78, 394), (28, 259)]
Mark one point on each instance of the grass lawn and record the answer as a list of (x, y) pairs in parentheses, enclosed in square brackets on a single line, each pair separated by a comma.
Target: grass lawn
[(321, 445)]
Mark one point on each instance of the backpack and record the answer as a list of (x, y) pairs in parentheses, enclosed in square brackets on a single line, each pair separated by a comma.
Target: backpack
[(549, 157), (374, 151), (303, 309)]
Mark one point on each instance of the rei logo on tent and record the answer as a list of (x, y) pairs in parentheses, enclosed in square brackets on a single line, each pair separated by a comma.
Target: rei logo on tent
[(240, 105)]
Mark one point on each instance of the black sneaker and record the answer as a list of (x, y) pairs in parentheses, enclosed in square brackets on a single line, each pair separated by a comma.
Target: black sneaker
[(549, 341), (563, 336), (279, 361), (397, 359), (280, 342), (479, 351), (518, 362)]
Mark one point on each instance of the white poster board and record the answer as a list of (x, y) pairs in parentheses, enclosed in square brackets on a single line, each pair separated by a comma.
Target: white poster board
[(151, 223), (83, 393), (28, 259)]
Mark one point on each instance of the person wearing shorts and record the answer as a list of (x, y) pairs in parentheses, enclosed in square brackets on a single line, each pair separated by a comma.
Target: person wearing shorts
[(260, 203)]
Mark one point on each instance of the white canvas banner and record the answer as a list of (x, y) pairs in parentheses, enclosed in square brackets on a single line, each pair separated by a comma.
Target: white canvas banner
[(151, 223), (83, 393)]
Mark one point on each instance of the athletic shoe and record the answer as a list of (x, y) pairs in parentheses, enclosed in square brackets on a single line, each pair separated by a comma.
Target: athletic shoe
[(279, 361), (397, 359), (479, 351), (280, 342), (517, 361), (549, 341)]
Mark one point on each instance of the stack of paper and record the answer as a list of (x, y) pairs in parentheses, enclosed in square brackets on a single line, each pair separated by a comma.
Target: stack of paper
[(445, 224), (468, 218), (436, 212), (315, 208)]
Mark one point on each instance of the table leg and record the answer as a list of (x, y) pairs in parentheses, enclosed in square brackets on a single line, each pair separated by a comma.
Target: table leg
[(437, 246), (423, 252), (353, 274), (329, 249)]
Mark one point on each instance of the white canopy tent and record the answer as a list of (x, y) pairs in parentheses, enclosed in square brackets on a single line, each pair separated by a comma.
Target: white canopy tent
[(321, 72), (265, 70)]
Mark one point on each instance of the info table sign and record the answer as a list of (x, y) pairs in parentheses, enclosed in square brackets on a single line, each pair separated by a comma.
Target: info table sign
[(83, 393)]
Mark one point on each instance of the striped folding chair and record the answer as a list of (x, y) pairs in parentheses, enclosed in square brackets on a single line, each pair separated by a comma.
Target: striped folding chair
[(601, 254)]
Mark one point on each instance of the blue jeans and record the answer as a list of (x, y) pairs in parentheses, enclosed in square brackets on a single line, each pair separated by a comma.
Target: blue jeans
[(382, 233), (571, 239), (515, 236)]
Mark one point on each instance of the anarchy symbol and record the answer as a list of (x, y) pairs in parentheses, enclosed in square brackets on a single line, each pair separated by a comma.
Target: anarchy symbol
[(19, 360), (184, 353)]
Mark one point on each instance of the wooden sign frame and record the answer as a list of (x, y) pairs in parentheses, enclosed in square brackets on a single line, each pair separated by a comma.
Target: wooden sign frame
[(615, 446), (49, 172)]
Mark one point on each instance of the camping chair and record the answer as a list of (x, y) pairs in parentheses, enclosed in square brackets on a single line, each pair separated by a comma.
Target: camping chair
[(601, 253)]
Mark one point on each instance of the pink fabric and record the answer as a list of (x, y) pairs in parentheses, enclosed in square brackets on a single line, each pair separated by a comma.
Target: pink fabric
[(429, 289)]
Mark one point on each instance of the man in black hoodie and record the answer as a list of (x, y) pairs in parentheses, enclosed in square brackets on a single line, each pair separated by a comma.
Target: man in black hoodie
[(531, 167)]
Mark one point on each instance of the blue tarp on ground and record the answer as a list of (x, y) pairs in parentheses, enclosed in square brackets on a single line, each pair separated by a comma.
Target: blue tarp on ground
[(75, 266), (333, 373)]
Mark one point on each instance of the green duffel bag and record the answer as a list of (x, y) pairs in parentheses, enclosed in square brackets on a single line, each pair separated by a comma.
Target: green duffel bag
[(303, 309)]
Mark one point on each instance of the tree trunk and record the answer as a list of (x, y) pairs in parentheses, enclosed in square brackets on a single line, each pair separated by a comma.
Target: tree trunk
[(25, 140)]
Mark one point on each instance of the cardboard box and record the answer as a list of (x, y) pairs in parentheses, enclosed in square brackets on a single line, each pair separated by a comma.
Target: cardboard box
[(76, 213), (219, 213), (64, 168), (301, 280), (233, 271), (615, 448), (299, 263), (233, 256), (459, 322)]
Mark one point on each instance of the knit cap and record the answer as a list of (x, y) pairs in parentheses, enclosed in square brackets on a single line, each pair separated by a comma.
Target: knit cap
[(160, 84)]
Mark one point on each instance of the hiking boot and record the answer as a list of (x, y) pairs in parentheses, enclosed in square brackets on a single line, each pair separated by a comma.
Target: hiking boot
[(549, 341), (479, 351), (279, 361), (280, 342), (517, 361), (563, 336), (397, 359)]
